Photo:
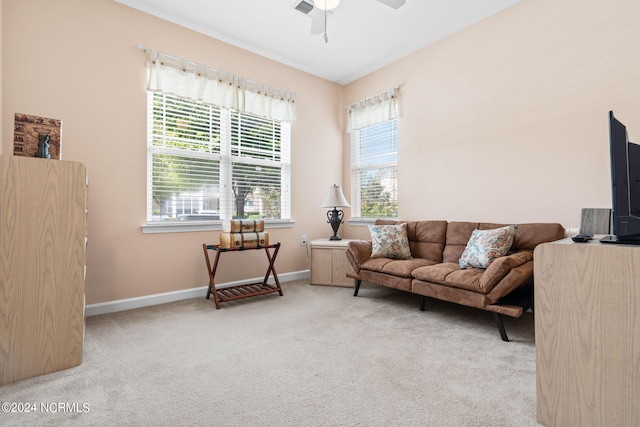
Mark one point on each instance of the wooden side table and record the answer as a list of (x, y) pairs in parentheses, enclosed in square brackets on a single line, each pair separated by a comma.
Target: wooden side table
[(329, 264), (241, 291)]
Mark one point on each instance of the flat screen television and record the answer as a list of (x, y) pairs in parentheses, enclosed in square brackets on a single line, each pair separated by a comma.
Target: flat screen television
[(625, 185)]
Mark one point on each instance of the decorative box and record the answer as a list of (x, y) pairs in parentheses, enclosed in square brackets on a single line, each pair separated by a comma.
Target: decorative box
[(242, 226), (247, 240)]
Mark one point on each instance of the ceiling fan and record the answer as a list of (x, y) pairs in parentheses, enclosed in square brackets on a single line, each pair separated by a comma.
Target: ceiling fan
[(319, 10)]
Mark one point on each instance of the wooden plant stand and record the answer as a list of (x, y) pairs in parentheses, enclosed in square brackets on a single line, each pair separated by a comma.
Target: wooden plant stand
[(241, 291)]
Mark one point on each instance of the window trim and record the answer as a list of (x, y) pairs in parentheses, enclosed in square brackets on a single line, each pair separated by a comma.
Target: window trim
[(364, 222), (191, 226)]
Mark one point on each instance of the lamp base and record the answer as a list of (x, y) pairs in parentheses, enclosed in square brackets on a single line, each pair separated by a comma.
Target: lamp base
[(334, 217)]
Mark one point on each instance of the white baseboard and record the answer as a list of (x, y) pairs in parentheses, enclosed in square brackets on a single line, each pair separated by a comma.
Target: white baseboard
[(155, 299)]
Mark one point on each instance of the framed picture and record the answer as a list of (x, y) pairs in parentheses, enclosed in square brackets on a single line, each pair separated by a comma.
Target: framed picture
[(33, 133)]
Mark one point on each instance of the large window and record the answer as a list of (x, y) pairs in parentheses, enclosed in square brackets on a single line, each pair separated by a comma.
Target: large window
[(374, 167), (211, 163)]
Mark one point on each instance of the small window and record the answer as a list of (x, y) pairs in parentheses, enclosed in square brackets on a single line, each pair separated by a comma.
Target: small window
[(374, 167)]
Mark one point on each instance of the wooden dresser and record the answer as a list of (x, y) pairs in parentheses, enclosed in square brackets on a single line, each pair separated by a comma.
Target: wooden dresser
[(587, 327), (43, 229)]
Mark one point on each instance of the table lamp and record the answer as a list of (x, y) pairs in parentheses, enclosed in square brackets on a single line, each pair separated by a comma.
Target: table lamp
[(335, 199)]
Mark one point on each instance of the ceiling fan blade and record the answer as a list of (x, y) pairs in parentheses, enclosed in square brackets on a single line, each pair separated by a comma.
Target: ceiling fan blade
[(317, 21), (393, 3)]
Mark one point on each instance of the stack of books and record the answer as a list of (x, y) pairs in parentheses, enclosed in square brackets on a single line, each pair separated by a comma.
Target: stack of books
[(248, 233)]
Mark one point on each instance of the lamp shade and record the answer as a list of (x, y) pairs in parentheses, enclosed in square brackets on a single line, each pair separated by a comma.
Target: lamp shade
[(335, 198), (326, 4)]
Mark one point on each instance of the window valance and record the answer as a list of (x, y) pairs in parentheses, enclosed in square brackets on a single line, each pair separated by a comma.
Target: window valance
[(172, 75), (373, 110)]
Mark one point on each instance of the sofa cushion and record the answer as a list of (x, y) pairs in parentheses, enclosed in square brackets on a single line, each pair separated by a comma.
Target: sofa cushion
[(427, 238), (475, 279), (451, 274), (397, 267), (484, 246), (528, 236), (458, 234), (390, 241)]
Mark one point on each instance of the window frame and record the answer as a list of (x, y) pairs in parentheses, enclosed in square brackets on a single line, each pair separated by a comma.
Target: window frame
[(226, 158), (357, 167)]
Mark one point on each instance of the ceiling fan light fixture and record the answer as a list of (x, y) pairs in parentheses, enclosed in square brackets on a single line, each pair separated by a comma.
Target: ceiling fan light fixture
[(326, 4)]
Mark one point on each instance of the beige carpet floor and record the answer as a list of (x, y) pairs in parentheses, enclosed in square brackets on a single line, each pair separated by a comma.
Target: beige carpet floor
[(316, 356)]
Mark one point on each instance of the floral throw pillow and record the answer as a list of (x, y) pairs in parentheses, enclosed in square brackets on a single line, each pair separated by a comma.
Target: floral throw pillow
[(390, 241), (486, 245)]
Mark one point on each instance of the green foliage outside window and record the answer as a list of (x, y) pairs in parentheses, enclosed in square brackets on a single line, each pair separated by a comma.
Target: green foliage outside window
[(378, 202)]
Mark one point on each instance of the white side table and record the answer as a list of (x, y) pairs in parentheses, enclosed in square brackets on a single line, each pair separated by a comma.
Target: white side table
[(329, 264)]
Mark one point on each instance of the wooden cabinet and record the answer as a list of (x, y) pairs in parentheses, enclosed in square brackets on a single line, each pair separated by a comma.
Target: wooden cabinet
[(587, 330), (329, 264), (42, 266)]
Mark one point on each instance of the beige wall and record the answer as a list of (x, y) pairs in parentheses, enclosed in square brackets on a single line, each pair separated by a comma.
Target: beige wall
[(76, 60), (507, 120)]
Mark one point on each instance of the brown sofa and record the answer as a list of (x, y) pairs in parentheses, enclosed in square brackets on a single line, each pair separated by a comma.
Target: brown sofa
[(504, 288)]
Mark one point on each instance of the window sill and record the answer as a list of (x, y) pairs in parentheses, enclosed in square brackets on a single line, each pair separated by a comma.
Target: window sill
[(194, 226), (362, 222)]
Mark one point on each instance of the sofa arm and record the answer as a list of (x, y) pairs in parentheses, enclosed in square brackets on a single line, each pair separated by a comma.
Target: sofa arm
[(501, 267), (358, 251)]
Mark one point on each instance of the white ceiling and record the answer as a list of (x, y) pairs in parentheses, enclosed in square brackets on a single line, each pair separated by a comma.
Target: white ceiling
[(364, 35)]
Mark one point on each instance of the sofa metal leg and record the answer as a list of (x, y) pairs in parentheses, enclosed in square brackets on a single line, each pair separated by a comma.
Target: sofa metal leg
[(533, 309), (355, 293), (423, 302), (503, 333)]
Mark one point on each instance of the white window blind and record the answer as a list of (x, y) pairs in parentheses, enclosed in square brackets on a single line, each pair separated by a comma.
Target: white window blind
[(212, 163), (374, 168)]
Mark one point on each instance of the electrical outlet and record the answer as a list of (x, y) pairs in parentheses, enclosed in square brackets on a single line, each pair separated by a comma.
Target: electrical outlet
[(303, 240)]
